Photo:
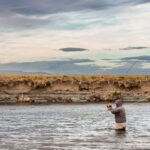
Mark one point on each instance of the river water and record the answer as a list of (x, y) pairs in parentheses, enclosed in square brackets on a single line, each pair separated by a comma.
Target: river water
[(72, 127)]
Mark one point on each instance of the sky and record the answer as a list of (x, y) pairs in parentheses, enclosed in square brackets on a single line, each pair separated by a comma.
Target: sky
[(75, 36)]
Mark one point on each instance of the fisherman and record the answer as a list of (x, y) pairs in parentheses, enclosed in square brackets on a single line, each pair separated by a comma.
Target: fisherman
[(120, 115)]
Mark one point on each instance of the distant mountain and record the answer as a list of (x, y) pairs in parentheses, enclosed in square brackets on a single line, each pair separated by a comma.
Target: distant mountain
[(19, 72), (10, 71), (68, 67)]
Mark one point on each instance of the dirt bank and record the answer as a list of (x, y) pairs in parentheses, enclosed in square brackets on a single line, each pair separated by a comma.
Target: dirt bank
[(29, 88)]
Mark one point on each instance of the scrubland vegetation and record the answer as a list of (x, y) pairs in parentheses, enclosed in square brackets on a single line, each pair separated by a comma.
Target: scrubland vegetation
[(86, 88)]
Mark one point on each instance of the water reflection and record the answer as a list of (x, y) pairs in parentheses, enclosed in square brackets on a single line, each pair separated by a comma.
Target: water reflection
[(72, 127)]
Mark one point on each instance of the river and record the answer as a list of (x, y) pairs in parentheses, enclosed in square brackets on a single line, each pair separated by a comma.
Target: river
[(72, 127)]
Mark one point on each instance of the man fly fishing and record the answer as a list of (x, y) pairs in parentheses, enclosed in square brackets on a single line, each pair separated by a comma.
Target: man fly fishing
[(120, 114), (119, 111)]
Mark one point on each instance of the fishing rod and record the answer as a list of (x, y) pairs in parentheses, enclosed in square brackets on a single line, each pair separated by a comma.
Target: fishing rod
[(109, 105), (130, 67)]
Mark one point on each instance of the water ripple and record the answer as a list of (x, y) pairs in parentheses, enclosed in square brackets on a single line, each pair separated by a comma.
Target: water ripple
[(74, 127)]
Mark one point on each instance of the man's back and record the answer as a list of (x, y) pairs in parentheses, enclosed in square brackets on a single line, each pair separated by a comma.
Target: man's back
[(120, 115)]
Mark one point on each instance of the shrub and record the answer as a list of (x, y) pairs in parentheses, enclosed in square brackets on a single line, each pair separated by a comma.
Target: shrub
[(116, 95)]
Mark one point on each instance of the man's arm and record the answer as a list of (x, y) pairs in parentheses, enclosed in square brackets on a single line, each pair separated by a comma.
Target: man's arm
[(115, 110)]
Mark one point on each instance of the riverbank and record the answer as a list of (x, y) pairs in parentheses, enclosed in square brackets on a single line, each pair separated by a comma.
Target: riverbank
[(33, 88)]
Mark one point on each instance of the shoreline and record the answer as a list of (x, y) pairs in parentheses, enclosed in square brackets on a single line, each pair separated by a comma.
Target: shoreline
[(78, 103)]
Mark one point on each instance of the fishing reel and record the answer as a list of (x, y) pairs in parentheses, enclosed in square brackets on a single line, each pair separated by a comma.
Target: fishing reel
[(109, 106)]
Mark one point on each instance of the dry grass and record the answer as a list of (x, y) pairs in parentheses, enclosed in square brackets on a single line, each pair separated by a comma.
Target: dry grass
[(107, 85), (45, 77), (44, 80)]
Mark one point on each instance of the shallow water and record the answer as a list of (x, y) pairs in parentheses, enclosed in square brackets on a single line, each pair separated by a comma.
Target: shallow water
[(72, 127)]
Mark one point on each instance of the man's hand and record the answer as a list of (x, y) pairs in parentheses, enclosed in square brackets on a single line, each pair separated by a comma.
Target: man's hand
[(109, 107)]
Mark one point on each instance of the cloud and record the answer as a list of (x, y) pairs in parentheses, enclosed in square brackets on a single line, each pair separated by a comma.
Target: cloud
[(134, 48), (31, 14), (144, 1), (38, 7), (73, 66), (46, 7), (80, 60), (138, 58), (54, 67), (71, 49), (106, 59)]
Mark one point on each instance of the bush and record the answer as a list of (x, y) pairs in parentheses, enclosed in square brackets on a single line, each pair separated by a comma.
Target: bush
[(116, 95)]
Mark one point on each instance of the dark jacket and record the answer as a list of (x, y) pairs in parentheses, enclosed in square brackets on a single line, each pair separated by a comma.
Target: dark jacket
[(119, 112)]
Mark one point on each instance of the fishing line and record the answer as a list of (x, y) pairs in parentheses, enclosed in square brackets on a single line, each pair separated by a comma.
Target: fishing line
[(130, 68), (127, 72)]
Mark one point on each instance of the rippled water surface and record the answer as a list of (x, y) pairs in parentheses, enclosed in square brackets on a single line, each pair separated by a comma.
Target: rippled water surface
[(72, 127)]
